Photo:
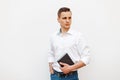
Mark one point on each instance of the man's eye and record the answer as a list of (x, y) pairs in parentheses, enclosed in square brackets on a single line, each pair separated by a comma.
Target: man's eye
[(64, 18)]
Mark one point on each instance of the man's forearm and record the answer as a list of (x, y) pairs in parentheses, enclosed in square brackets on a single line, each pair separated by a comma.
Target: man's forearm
[(77, 65)]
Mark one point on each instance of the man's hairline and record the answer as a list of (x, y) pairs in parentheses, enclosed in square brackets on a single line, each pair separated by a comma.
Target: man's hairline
[(62, 12)]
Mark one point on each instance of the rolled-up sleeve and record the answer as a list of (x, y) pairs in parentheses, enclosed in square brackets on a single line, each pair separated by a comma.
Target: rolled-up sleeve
[(84, 50), (51, 52), (85, 56)]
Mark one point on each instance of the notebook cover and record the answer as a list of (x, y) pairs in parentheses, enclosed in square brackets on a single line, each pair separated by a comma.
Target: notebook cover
[(66, 59)]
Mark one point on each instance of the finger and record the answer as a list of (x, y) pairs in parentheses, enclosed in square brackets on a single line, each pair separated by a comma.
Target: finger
[(52, 71), (63, 63)]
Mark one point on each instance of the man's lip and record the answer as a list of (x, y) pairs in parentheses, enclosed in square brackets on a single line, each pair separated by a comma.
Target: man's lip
[(67, 24)]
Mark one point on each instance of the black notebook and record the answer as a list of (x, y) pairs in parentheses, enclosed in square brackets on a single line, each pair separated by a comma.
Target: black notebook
[(66, 59)]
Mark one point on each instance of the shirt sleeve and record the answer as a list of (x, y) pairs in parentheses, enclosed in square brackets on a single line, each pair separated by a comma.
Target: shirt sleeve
[(51, 51), (83, 49)]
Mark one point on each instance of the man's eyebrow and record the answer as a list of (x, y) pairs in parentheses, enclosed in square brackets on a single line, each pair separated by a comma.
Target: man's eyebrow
[(64, 17)]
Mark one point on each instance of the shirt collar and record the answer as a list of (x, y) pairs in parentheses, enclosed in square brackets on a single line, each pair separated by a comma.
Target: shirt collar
[(70, 31)]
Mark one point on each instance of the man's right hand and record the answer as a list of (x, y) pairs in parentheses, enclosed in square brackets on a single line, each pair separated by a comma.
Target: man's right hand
[(51, 68), (51, 71)]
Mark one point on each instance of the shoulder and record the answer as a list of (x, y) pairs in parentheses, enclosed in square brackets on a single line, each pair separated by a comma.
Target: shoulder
[(77, 33), (79, 36), (53, 35)]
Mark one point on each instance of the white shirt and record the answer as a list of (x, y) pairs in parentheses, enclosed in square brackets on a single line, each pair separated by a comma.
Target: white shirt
[(73, 43)]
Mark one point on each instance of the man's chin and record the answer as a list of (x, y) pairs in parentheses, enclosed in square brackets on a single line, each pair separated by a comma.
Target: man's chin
[(67, 27)]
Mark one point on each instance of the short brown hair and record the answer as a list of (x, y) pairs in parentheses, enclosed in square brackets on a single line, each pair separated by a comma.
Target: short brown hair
[(63, 9)]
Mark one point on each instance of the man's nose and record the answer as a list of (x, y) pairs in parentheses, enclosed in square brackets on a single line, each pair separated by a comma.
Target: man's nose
[(67, 20)]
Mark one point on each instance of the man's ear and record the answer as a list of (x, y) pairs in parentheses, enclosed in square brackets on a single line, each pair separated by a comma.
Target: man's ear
[(58, 19)]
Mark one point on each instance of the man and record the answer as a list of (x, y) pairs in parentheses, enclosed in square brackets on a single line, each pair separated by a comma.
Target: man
[(70, 42)]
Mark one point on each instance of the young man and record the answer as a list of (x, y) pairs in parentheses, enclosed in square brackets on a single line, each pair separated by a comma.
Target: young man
[(70, 42)]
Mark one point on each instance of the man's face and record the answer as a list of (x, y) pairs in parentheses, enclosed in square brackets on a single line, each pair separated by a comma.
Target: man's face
[(65, 20)]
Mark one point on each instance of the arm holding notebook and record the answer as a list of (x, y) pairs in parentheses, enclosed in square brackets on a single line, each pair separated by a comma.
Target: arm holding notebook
[(84, 52), (67, 65), (68, 68)]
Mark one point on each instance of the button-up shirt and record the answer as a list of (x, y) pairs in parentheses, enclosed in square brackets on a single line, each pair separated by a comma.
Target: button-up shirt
[(71, 42)]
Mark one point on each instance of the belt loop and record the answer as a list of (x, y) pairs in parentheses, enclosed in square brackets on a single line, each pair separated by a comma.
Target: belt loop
[(66, 75), (58, 74)]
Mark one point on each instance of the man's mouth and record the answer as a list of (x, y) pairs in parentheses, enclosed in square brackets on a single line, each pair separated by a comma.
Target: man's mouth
[(67, 24)]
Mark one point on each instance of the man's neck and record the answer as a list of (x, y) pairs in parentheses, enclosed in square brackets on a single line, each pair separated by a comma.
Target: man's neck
[(64, 30)]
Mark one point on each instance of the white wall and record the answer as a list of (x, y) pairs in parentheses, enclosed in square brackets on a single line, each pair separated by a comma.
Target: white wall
[(25, 27)]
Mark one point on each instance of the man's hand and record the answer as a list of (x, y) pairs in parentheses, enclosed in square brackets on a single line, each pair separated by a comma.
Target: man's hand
[(51, 71), (51, 68), (66, 68)]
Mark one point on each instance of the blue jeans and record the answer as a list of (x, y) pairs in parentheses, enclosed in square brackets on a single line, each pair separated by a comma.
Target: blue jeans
[(61, 76)]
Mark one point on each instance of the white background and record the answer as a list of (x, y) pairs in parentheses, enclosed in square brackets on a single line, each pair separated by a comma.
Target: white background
[(25, 27)]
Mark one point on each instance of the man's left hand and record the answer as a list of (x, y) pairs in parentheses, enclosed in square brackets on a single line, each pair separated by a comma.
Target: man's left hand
[(66, 68)]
